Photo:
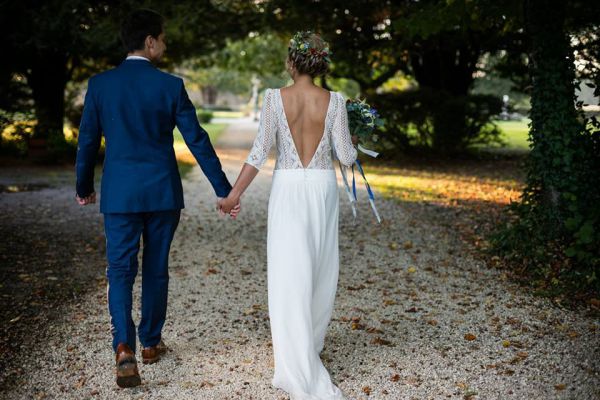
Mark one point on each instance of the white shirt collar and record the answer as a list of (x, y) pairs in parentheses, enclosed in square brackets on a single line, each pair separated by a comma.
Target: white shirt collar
[(137, 58)]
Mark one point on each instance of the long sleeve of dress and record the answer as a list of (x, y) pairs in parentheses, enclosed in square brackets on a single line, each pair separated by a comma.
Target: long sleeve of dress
[(266, 133), (340, 133)]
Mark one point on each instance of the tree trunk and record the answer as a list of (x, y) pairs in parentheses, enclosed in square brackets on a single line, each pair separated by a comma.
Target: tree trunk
[(447, 69), (554, 124), (48, 79), (209, 95)]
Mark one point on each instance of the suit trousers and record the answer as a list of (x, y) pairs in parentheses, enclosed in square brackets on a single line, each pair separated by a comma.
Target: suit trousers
[(123, 232)]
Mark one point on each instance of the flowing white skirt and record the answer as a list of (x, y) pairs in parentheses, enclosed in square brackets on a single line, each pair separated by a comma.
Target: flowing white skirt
[(303, 263)]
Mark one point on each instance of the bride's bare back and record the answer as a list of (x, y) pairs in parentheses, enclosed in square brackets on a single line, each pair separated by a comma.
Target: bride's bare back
[(305, 109)]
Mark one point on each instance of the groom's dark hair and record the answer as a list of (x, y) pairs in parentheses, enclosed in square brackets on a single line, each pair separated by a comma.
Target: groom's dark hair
[(138, 25)]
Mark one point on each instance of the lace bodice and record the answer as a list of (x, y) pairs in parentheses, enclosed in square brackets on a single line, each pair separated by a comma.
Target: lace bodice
[(274, 127)]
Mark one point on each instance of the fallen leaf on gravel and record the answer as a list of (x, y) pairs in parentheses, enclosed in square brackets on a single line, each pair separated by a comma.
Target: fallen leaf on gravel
[(381, 342), (573, 334), (506, 343), (211, 271), (80, 383), (522, 354), (393, 246), (366, 390), (470, 336), (357, 326), (560, 386), (207, 384), (407, 245), (359, 287), (374, 330), (411, 270), (515, 360), (395, 378), (389, 302), (432, 322)]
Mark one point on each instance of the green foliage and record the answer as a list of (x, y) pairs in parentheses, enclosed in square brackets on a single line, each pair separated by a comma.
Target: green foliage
[(54, 42), (235, 66), (555, 228), (204, 116), (411, 117)]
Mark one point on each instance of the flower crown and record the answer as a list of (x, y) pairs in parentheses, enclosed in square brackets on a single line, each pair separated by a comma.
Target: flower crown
[(299, 44)]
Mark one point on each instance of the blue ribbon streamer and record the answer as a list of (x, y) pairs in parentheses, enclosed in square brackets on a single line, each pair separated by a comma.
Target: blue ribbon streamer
[(347, 187), (353, 184), (369, 191)]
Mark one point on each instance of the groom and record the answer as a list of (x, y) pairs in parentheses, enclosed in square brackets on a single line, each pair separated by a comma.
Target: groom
[(136, 107)]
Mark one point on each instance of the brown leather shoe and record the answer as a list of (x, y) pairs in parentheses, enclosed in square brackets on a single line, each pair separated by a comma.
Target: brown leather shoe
[(127, 370), (152, 354)]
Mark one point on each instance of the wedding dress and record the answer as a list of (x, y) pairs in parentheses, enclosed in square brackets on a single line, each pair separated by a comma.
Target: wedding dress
[(302, 245)]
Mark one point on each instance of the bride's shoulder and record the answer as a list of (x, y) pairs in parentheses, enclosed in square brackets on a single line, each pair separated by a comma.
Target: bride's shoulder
[(269, 92), (338, 96)]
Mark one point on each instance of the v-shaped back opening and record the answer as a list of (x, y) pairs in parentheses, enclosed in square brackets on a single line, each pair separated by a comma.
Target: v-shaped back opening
[(289, 130)]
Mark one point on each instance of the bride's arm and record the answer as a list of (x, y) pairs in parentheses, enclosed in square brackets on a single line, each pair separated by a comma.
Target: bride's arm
[(256, 159), (247, 175)]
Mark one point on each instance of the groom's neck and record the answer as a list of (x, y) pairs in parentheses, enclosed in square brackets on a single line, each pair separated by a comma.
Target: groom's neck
[(139, 53)]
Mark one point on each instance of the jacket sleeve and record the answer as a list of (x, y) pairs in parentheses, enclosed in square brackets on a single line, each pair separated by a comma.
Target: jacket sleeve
[(198, 142), (88, 143)]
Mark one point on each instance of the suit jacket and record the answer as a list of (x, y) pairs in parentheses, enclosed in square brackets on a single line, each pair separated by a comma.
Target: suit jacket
[(136, 106)]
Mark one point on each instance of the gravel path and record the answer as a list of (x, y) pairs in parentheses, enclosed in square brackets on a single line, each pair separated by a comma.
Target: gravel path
[(415, 317)]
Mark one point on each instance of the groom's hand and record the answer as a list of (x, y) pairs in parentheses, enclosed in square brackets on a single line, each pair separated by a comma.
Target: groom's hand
[(91, 199), (229, 206)]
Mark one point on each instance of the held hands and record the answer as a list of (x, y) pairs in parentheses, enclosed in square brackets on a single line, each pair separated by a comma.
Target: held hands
[(91, 199), (229, 205)]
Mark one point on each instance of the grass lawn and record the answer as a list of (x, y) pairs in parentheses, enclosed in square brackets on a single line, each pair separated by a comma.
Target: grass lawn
[(515, 134), (228, 114), (214, 130), (185, 159)]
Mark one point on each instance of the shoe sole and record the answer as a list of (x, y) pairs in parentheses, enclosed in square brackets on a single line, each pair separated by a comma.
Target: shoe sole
[(127, 376), (150, 360)]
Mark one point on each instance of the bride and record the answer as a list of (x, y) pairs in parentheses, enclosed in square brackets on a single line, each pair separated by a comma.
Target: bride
[(309, 124)]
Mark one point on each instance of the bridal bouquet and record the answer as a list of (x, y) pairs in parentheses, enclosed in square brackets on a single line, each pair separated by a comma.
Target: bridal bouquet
[(363, 120)]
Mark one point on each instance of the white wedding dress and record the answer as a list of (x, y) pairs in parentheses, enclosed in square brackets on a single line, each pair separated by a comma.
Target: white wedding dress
[(302, 245)]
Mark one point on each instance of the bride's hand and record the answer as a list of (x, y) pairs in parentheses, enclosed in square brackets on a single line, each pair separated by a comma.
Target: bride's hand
[(229, 205)]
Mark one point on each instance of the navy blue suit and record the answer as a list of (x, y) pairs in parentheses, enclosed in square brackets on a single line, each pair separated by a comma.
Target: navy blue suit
[(136, 107)]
